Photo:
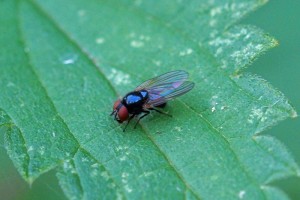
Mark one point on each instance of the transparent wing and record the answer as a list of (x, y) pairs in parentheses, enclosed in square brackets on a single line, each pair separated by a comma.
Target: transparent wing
[(166, 87), (174, 77), (156, 100)]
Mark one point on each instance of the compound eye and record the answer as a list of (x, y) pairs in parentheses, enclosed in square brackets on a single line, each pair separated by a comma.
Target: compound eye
[(123, 114), (116, 104)]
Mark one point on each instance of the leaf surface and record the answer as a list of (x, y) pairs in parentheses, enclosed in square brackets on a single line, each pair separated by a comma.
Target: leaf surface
[(64, 63)]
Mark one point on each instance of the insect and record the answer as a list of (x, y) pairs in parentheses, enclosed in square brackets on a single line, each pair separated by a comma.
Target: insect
[(151, 95)]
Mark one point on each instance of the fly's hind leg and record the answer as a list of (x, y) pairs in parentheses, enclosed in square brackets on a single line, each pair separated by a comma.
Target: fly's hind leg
[(144, 115), (161, 112)]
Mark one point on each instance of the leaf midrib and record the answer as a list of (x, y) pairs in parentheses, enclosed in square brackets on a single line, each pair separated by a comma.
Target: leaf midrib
[(51, 20), (43, 12), (107, 80)]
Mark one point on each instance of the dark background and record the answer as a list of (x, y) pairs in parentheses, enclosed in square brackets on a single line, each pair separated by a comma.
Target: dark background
[(280, 66)]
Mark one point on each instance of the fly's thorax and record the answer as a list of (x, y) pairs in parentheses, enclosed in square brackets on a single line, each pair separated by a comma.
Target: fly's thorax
[(144, 94), (135, 100)]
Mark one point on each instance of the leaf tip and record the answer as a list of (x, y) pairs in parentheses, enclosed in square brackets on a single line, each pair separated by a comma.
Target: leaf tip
[(30, 181), (271, 41), (274, 42), (294, 113)]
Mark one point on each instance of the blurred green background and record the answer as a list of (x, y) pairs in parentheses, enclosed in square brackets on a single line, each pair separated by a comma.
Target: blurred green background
[(280, 66)]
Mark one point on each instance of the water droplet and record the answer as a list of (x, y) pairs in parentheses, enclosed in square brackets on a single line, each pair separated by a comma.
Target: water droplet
[(118, 77), (136, 43), (69, 59), (30, 148), (241, 194), (100, 40), (213, 109), (186, 52)]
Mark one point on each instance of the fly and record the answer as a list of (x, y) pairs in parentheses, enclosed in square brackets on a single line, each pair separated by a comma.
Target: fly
[(150, 95)]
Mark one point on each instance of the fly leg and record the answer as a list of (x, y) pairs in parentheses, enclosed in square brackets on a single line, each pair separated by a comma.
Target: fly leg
[(128, 122), (144, 115), (161, 112), (113, 112)]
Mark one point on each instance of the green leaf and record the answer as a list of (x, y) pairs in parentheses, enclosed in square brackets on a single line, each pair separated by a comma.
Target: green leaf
[(64, 63)]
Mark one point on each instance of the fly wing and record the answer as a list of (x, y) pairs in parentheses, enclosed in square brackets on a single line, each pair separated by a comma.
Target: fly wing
[(168, 94), (173, 79), (166, 87)]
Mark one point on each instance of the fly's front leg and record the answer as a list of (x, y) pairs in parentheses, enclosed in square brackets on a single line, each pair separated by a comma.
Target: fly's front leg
[(144, 115), (128, 122)]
